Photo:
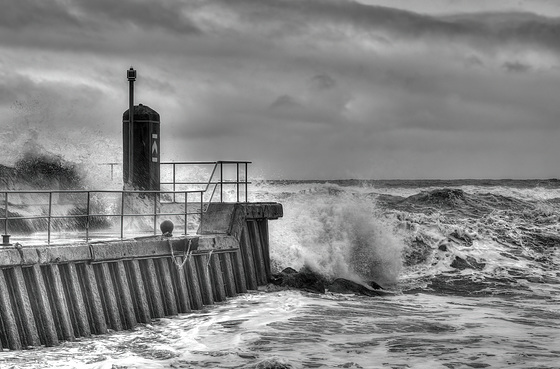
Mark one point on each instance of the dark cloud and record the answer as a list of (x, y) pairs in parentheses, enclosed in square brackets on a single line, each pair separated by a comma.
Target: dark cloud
[(99, 15), (128, 25), (349, 12), (136, 29), (17, 14), (516, 67), (314, 88), (478, 29), (166, 15)]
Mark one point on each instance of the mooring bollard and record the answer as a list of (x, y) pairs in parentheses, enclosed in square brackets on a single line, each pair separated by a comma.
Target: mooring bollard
[(166, 228)]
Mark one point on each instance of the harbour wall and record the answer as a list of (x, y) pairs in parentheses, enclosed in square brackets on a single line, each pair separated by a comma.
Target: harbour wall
[(50, 294)]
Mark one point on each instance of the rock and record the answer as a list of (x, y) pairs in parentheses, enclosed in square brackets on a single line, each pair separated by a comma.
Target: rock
[(278, 279), (442, 247), (305, 279), (308, 280), (470, 262), (374, 285), (341, 285), (289, 270)]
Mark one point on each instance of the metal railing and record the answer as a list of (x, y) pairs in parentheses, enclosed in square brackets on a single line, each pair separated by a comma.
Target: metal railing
[(129, 200), (222, 181), (216, 178)]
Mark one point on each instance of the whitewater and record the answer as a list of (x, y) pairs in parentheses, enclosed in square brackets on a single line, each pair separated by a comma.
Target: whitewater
[(472, 268)]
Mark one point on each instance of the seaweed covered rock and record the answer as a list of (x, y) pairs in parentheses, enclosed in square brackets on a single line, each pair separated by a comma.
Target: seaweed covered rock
[(308, 280), (305, 279)]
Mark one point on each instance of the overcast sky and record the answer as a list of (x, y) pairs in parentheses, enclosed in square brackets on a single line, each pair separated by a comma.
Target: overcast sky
[(306, 89)]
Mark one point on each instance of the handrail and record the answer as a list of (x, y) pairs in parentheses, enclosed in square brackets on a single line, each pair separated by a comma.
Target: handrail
[(211, 176), (89, 214), (206, 162), (210, 181), (49, 216)]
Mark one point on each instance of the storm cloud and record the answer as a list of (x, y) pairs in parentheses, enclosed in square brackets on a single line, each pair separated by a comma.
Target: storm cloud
[(305, 89)]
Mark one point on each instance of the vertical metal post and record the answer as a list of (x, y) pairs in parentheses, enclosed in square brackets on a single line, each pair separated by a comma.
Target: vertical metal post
[(131, 75), (87, 216), (49, 220), (237, 181), (221, 182), (201, 206), (174, 182), (246, 182), (155, 213), (186, 211), (6, 214), (122, 215)]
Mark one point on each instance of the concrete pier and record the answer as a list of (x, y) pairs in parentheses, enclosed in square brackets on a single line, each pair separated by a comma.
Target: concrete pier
[(50, 294)]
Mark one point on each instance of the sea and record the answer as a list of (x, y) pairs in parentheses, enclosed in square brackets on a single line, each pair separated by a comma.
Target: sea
[(471, 269)]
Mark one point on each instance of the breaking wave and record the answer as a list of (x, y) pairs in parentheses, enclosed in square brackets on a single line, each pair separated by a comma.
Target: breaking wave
[(337, 235), (469, 239)]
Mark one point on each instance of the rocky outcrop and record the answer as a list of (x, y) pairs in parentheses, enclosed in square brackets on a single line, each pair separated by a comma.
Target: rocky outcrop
[(305, 279), (308, 280)]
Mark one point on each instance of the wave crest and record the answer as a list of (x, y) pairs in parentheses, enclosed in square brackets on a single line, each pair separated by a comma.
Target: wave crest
[(338, 236)]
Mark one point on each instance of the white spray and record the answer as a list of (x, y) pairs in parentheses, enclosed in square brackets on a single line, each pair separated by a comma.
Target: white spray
[(338, 236)]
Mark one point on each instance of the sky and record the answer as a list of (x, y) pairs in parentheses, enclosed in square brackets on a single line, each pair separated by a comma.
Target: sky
[(305, 89)]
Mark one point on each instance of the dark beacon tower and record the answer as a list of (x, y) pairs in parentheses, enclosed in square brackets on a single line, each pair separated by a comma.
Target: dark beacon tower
[(141, 148)]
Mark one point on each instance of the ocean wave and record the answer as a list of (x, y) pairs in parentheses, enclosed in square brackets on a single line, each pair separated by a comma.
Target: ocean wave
[(482, 240), (338, 236)]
